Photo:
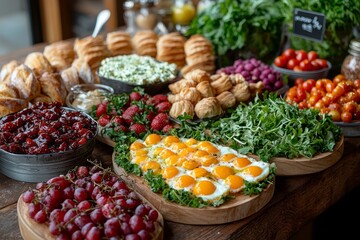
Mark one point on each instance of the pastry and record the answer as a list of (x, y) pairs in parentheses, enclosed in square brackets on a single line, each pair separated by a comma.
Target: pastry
[(51, 87), (11, 105), (119, 43), (208, 108), (70, 77), (25, 81), (41, 98), (241, 92), (7, 70), (170, 48), (38, 63), (198, 75), (222, 84), (181, 107), (144, 43), (226, 100), (190, 94), (236, 79), (205, 89), (60, 54), (181, 84), (84, 71)]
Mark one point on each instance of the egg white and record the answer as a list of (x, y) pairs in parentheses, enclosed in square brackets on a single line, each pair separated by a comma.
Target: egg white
[(221, 190), (265, 172)]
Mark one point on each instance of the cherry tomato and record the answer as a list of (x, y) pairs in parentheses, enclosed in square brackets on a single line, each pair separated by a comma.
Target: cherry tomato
[(301, 94), (319, 104), (312, 82), (291, 94), (307, 86), (339, 78), (305, 65), (280, 61), (350, 107), (346, 116), (292, 63), (303, 105), (329, 86), (312, 101), (338, 92), (322, 63), (289, 53), (297, 69), (314, 65), (326, 100), (320, 85), (301, 55), (299, 81), (357, 83), (312, 55), (335, 106), (335, 115)]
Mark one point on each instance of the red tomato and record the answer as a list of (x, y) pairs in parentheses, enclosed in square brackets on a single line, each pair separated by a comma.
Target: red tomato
[(312, 55), (280, 61), (289, 53), (315, 65), (301, 94), (305, 65), (335, 115), (292, 63), (357, 83), (350, 107), (299, 81), (297, 69), (301, 55), (346, 116), (322, 63), (307, 86), (312, 82)]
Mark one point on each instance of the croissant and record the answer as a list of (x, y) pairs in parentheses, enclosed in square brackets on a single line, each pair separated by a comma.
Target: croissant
[(38, 63), (176, 87), (11, 105), (256, 88), (181, 107), (51, 86), (190, 94), (198, 75), (241, 92), (60, 54), (24, 80), (226, 99), (237, 78), (7, 70), (208, 107), (8, 91), (205, 89), (42, 98), (222, 84), (84, 71), (70, 77)]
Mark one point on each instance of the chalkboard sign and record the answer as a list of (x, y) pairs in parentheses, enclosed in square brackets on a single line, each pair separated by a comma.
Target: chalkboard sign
[(309, 24)]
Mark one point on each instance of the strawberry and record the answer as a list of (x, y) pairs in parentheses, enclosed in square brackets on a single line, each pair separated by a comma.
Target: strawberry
[(158, 98), (101, 109), (159, 122), (150, 116), (129, 113), (167, 128), (163, 107), (135, 96), (121, 128), (137, 128), (117, 120), (104, 120)]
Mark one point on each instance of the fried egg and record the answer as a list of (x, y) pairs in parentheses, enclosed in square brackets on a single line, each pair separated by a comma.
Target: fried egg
[(208, 170)]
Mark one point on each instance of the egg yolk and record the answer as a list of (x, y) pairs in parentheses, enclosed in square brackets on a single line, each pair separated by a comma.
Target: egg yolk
[(178, 146), (241, 162), (234, 181), (204, 188), (208, 147), (208, 160), (136, 146), (253, 171), (190, 142), (166, 153), (227, 157), (190, 164), (168, 140), (140, 152), (170, 172), (139, 160), (222, 172), (157, 151), (187, 152), (200, 153), (155, 166), (200, 172), (185, 181), (172, 160), (152, 139)]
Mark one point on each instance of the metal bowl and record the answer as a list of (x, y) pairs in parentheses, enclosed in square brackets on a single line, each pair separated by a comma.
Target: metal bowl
[(351, 129), (41, 167), (293, 75)]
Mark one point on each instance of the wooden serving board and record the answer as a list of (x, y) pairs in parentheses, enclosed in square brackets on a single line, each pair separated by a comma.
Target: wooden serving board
[(301, 166), (238, 208), (31, 230)]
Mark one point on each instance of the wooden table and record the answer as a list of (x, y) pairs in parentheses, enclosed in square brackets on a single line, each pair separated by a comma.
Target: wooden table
[(297, 200)]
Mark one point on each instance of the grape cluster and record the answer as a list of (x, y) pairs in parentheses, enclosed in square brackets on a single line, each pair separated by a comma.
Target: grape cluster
[(91, 203), (253, 71)]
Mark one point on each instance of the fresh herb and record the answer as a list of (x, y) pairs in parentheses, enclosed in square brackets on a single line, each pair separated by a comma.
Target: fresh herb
[(251, 25), (256, 188)]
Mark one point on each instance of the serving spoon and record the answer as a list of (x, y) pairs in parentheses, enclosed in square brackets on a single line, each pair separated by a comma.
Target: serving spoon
[(101, 19)]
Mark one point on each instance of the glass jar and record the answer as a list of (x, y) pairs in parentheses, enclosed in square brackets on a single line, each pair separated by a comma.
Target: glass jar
[(183, 13), (350, 67), (130, 10), (146, 19)]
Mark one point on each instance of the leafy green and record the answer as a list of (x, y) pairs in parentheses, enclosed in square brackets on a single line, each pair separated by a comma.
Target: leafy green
[(341, 17), (254, 26)]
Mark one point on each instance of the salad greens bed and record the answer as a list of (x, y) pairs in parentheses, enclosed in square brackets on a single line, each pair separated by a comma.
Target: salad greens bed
[(268, 127)]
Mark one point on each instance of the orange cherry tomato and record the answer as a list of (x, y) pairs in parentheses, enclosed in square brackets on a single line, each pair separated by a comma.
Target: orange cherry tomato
[(357, 83), (303, 104), (320, 85), (312, 101), (329, 86), (338, 91), (319, 104), (339, 78), (335, 106), (299, 81), (346, 116), (335, 115), (350, 107), (326, 100)]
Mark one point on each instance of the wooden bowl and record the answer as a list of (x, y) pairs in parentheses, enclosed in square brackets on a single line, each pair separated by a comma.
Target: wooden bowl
[(238, 208), (301, 166), (31, 230)]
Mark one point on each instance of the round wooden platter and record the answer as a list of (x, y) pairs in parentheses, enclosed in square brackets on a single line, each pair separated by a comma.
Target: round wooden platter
[(301, 166), (238, 208), (31, 230)]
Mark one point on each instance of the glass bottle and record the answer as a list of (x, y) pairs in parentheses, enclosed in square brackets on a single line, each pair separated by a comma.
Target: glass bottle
[(130, 10), (183, 13), (350, 67), (146, 19)]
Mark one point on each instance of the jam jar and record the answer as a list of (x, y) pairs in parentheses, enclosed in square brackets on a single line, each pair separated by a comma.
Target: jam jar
[(350, 67)]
